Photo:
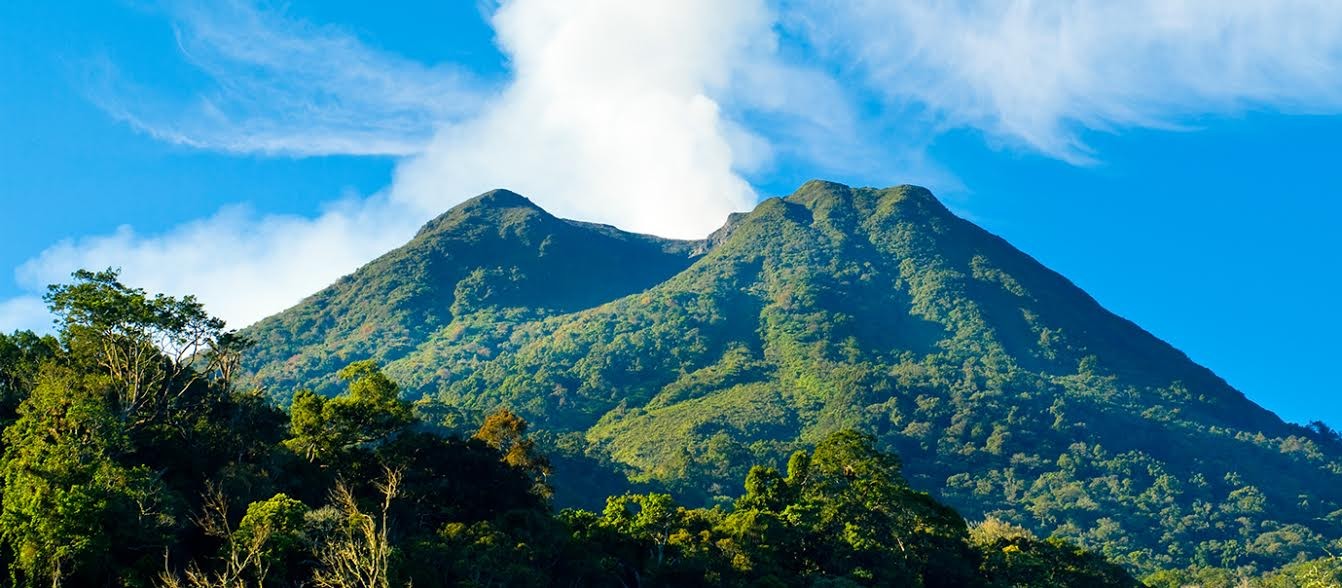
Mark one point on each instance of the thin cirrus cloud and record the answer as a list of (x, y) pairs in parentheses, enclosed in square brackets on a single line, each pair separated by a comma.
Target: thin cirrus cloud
[(654, 115), (1041, 75), (282, 86)]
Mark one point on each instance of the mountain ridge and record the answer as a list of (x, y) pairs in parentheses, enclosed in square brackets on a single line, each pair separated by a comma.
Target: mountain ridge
[(1007, 389), (400, 289)]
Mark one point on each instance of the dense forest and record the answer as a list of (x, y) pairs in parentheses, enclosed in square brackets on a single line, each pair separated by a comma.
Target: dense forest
[(132, 459), (1010, 393)]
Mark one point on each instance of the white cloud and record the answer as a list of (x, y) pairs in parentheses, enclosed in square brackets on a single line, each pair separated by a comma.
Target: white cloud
[(614, 115), (241, 265), (277, 85), (24, 313), (1040, 74)]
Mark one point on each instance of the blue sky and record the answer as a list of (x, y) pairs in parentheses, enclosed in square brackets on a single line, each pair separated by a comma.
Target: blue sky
[(1177, 160)]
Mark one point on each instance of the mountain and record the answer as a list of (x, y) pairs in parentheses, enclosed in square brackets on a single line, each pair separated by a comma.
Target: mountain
[(1007, 390), (495, 250)]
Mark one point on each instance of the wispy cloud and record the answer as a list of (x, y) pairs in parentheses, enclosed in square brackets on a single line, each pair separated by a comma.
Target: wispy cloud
[(277, 85), (1042, 74)]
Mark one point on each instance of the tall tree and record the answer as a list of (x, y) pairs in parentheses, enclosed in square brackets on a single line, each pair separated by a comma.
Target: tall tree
[(372, 412), (71, 511)]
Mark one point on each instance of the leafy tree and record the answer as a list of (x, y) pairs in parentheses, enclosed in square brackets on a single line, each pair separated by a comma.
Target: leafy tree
[(506, 432), (372, 412), (277, 526), (71, 511), (270, 534), (1013, 556), (21, 356), (121, 433), (145, 345), (855, 517)]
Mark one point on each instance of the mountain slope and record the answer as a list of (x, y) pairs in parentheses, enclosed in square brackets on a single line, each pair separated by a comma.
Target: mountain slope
[(1004, 387), (495, 250)]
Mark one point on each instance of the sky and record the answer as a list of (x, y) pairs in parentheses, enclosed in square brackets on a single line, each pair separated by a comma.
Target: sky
[(1177, 159)]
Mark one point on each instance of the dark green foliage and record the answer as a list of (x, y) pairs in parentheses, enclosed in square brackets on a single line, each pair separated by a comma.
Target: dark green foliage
[(1012, 556), (71, 509), (324, 430), (128, 415), (278, 525), (1011, 392), (21, 354), (844, 511)]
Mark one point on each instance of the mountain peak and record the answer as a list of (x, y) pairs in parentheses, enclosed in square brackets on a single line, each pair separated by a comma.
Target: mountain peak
[(500, 198), (849, 210), (819, 184), (488, 205), (818, 194)]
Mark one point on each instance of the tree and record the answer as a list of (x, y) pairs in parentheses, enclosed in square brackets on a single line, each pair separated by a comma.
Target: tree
[(70, 510), (130, 411), (146, 346), (506, 432), (357, 554), (21, 357), (844, 511), (275, 531), (370, 413), (270, 533)]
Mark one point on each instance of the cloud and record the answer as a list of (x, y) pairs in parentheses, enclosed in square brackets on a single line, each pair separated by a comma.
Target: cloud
[(616, 114), (24, 313), (1043, 74), (277, 85), (633, 114), (244, 266)]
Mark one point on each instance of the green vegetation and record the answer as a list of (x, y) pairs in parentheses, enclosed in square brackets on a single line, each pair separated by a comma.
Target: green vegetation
[(498, 252), (1012, 395), (133, 460)]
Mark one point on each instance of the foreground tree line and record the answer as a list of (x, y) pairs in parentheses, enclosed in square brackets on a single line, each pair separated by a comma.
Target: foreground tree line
[(131, 459)]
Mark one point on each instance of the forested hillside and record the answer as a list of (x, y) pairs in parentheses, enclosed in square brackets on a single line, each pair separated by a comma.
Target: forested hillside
[(497, 250), (130, 459), (1010, 393)]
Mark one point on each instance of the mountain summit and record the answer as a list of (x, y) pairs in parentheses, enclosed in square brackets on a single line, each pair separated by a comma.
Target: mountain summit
[(1008, 391), (495, 249)]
